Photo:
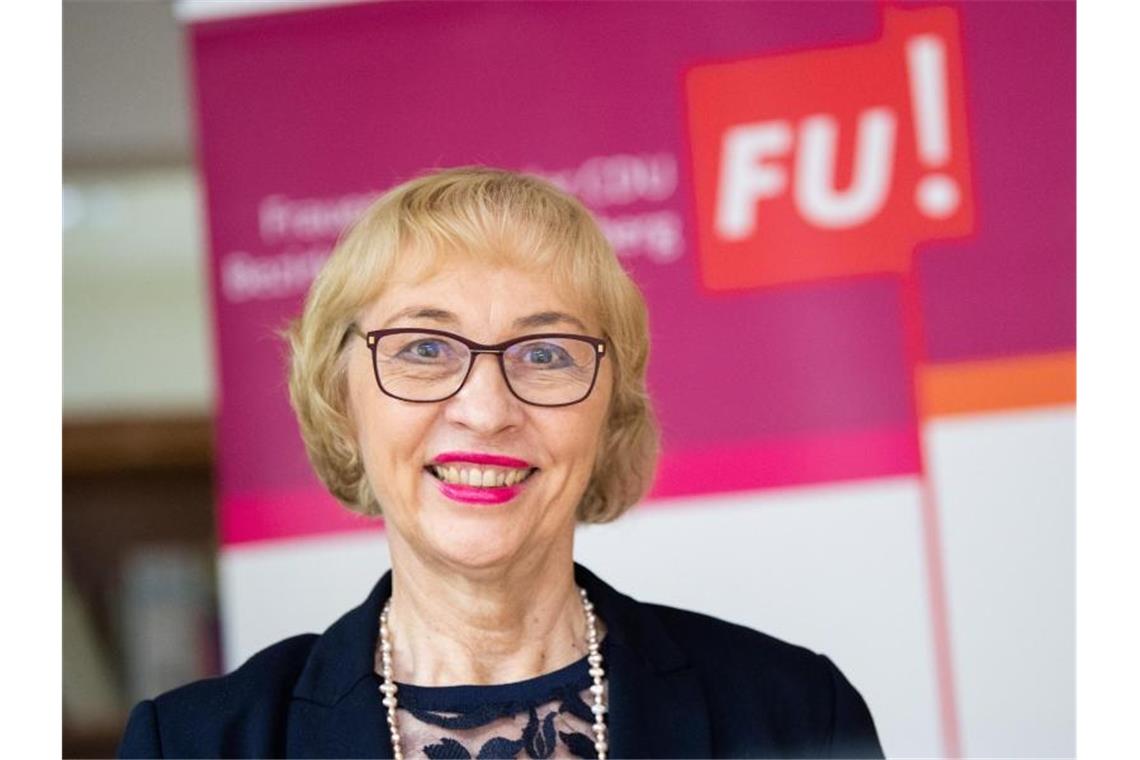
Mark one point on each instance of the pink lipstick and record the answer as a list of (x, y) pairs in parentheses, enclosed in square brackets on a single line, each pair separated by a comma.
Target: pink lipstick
[(480, 495)]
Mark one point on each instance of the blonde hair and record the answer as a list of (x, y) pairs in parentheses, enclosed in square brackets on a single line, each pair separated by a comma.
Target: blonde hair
[(499, 217)]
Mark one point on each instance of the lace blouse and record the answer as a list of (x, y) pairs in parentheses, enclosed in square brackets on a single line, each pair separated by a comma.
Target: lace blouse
[(545, 716)]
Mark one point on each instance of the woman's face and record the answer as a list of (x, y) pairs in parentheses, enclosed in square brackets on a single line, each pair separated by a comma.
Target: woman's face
[(400, 440)]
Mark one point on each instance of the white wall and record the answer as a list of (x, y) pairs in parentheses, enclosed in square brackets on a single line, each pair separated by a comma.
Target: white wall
[(135, 309)]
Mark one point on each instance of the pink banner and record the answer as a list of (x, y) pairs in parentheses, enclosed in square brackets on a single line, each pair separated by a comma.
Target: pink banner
[(815, 198)]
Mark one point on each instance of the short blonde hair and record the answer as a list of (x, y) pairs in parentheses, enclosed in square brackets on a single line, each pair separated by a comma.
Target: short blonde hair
[(501, 217)]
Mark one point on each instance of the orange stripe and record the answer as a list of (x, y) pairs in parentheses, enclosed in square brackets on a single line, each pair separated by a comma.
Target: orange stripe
[(995, 384)]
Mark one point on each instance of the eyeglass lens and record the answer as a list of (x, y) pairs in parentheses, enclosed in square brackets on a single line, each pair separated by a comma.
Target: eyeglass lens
[(427, 367)]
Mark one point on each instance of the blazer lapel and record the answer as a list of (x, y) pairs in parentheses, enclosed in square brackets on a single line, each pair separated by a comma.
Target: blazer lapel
[(335, 709), (657, 705), (353, 727), (654, 714)]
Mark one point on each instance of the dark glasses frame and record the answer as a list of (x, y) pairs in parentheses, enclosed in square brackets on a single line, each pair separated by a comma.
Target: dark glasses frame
[(372, 338)]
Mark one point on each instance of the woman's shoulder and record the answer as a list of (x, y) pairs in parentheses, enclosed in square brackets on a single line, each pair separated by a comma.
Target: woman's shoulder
[(711, 644), (245, 713), (250, 702), (731, 644), (734, 652), (263, 675), (797, 695)]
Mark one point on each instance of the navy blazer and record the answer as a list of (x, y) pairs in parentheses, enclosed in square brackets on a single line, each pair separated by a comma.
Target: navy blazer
[(681, 684)]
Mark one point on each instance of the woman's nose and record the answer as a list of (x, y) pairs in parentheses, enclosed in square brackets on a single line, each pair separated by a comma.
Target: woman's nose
[(485, 402)]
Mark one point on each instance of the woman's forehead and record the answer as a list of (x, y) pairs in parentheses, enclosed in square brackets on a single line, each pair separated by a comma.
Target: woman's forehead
[(543, 320), (474, 295)]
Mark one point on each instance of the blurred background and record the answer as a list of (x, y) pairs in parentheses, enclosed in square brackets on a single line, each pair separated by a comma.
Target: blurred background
[(854, 224), (139, 540)]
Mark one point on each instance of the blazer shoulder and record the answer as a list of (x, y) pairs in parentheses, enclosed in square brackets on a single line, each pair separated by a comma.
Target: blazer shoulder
[(785, 685), (239, 714), (698, 633)]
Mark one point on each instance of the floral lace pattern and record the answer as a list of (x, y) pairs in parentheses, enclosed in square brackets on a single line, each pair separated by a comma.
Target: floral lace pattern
[(543, 717)]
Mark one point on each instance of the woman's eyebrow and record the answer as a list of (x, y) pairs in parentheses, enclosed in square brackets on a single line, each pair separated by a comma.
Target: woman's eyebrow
[(547, 318), (423, 312), (531, 321)]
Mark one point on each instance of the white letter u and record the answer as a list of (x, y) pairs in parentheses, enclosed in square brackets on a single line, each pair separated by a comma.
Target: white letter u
[(815, 194)]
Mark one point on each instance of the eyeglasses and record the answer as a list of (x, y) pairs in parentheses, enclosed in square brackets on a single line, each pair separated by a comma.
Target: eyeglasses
[(423, 366)]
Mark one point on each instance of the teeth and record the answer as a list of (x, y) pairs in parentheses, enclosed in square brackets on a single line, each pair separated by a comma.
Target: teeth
[(483, 477)]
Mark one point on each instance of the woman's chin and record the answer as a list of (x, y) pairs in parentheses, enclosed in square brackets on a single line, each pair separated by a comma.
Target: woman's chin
[(471, 553), (478, 544)]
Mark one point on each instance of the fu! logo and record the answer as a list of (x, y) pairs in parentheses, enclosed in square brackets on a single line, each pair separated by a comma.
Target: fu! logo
[(833, 161)]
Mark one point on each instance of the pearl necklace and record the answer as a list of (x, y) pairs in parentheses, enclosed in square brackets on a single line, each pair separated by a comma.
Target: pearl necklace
[(598, 689)]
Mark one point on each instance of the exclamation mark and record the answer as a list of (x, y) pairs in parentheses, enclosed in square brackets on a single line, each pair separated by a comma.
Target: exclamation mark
[(937, 193)]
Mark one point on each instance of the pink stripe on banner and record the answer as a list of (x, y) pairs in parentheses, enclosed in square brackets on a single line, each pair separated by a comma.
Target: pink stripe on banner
[(747, 466), (300, 512), (819, 458)]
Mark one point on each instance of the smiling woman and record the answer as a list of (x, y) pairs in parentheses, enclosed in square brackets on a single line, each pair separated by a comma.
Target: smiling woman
[(524, 396), (470, 366)]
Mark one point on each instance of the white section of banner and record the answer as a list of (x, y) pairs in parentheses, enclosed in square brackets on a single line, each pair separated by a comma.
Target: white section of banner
[(1006, 494)]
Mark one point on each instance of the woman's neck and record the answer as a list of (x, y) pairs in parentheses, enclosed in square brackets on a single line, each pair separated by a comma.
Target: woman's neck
[(449, 627)]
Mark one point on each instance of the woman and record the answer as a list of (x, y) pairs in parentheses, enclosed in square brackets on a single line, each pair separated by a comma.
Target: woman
[(470, 364)]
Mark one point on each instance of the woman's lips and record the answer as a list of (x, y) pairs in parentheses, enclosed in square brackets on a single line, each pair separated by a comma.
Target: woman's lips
[(479, 494)]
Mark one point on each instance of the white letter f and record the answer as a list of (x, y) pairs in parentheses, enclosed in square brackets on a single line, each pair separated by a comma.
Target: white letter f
[(744, 179)]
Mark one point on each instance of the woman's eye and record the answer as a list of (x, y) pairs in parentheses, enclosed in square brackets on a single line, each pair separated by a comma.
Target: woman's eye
[(425, 350), (546, 356)]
